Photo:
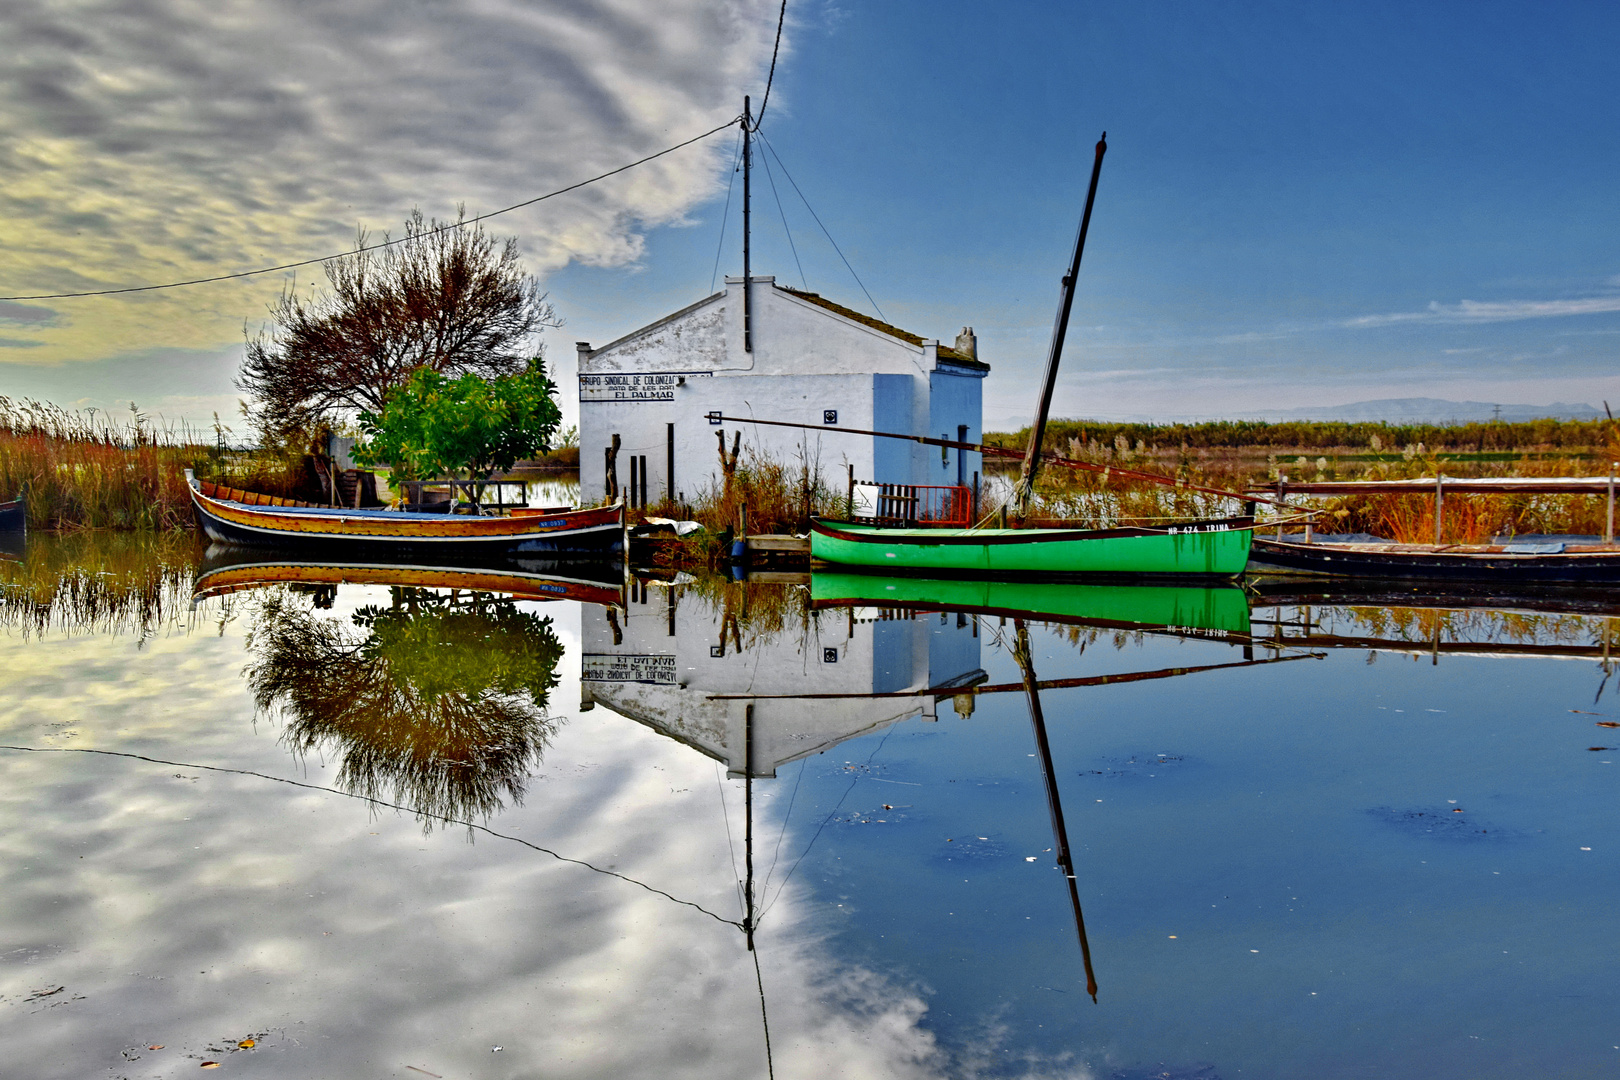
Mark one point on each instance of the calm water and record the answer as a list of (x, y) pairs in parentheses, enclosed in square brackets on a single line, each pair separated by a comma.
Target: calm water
[(381, 828)]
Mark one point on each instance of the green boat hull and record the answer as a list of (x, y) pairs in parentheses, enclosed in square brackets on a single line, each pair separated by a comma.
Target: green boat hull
[(1223, 608), (1214, 548)]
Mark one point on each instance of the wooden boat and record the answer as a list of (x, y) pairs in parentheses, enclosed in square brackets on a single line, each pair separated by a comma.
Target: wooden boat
[(1524, 562), (228, 517), (227, 570), (1206, 548), (1218, 610)]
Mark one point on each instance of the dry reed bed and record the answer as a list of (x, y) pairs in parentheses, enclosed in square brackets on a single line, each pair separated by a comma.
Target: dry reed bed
[(1084, 497), (81, 472)]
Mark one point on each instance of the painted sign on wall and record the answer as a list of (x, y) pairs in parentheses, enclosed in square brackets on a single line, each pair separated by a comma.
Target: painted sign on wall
[(625, 667), (625, 386)]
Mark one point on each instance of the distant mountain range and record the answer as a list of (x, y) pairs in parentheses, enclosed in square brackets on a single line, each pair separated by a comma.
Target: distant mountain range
[(1425, 410), (1421, 410)]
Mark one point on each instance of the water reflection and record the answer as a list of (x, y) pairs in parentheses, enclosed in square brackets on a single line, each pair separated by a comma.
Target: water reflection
[(1264, 886), (433, 703), (98, 583)]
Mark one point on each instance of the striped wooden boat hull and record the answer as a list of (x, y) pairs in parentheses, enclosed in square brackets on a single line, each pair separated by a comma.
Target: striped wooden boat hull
[(227, 571), (596, 532), (1203, 548), (1214, 610)]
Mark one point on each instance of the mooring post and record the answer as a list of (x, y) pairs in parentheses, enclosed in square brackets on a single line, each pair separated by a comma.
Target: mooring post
[(1439, 506), (1277, 503), (1608, 525)]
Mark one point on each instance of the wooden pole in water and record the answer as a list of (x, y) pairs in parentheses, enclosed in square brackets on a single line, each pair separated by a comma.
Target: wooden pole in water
[(1037, 432), (1608, 526)]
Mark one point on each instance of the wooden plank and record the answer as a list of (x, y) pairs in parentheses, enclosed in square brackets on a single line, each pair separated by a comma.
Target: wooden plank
[(796, 545)]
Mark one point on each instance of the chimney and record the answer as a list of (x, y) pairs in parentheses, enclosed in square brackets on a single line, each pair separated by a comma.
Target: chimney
[(967, 344)]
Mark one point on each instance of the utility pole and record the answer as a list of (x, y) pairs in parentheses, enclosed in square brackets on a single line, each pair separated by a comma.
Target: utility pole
[(748, 280)]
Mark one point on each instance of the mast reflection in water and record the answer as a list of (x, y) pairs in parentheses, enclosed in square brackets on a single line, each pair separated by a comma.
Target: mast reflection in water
[(435, 703)]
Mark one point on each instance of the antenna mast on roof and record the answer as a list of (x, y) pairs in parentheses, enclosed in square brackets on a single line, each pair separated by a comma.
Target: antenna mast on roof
[(748, 281)]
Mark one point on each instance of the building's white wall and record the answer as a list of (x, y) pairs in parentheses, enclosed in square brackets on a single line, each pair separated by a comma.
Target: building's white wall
[(805, 361), (643, 429)]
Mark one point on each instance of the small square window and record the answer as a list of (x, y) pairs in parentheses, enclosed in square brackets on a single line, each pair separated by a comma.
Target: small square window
[(717, 650), (829, 416), (829, 656), (713, 418)]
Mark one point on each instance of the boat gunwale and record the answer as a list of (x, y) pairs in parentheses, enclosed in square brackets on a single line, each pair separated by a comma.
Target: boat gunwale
[(874, 534), (278, 521)]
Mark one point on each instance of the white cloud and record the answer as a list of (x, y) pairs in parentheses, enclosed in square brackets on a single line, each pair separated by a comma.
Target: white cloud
[(150, 141), (1475, 311)]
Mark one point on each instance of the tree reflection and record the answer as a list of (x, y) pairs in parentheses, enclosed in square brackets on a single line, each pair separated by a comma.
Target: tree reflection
[(435, 705)]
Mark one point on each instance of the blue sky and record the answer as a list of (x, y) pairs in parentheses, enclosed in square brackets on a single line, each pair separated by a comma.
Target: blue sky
[(1288, 190), (1302, 204)]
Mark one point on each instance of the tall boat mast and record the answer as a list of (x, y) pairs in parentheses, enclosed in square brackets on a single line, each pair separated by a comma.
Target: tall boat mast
[(1037, 432)]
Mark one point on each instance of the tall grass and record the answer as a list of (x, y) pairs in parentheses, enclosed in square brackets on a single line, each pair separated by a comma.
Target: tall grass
[(82, 471)]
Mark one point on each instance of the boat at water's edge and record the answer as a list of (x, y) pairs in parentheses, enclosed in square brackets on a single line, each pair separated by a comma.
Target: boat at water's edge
[(596, 531), (1500, 564), (1216, 549)]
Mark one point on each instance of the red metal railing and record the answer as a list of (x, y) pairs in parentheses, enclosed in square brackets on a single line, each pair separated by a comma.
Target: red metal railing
[(911, 504)]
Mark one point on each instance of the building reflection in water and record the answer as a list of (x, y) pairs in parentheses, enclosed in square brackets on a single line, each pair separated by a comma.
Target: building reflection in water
[(676, 661), (436, 703)]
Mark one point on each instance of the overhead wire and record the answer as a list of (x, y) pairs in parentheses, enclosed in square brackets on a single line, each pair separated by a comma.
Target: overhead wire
[(387, 243), (822, 226), (725, 215), (766, 161), (771, 78)]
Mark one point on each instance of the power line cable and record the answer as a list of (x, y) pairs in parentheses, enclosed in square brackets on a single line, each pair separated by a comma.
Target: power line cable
[(766, 161), (771, 78), (824, 231), (725, 215), (386, 243)]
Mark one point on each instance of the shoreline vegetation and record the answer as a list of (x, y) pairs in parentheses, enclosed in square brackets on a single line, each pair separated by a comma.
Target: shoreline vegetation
[(85, 470)]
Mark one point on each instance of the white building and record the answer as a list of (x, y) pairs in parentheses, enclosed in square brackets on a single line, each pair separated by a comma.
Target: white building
[(806, 360), (679, 664)]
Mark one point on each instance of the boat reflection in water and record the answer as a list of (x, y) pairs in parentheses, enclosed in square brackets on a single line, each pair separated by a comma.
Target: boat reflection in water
[(436, 702)]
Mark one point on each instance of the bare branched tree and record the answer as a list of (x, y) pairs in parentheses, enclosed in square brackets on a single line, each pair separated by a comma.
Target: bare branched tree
[(449, 299)]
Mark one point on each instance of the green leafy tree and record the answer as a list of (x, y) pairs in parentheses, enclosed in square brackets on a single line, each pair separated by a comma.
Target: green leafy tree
[(435, 426)]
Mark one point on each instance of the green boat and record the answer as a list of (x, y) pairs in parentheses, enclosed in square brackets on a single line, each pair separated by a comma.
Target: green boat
[(1219, 609), (1217, 548)]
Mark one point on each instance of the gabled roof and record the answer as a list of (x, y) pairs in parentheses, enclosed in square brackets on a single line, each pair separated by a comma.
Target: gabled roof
[(945, 352)]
